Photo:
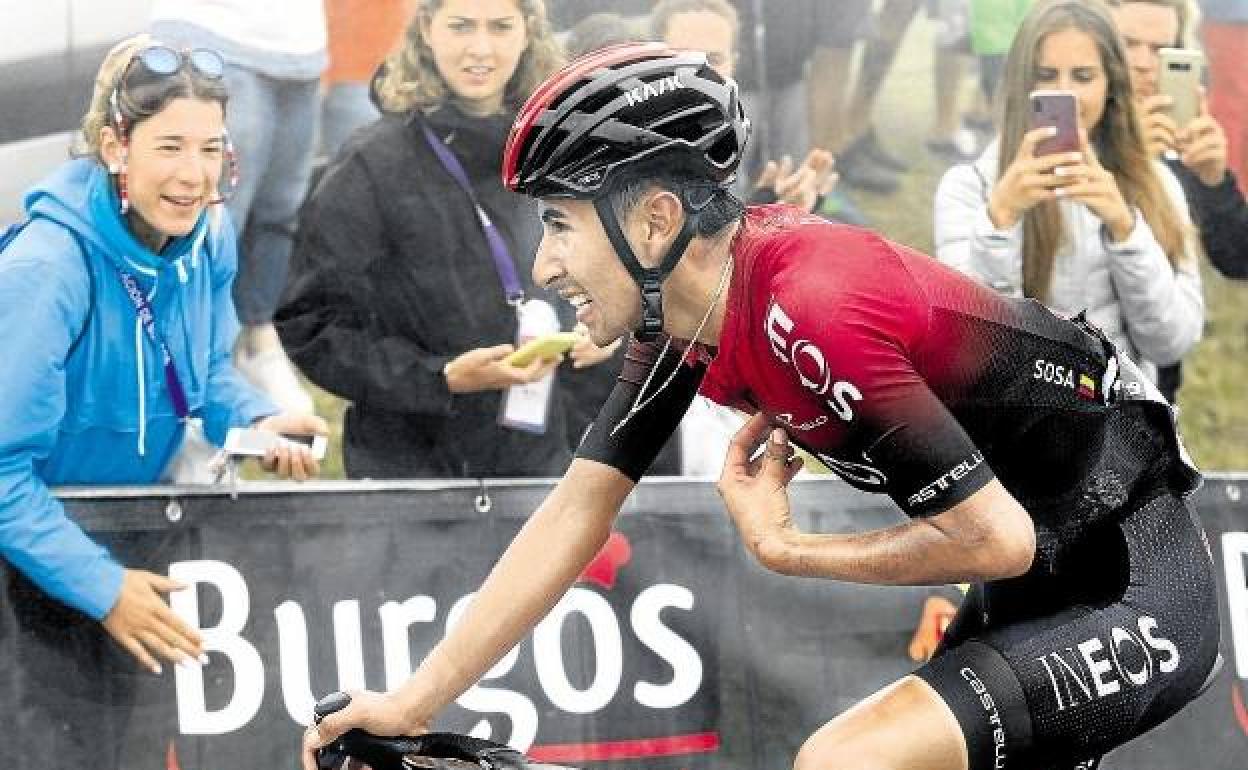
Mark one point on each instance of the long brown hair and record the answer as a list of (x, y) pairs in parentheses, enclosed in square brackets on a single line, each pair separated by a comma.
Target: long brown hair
[(1117, 138), (409, 79)]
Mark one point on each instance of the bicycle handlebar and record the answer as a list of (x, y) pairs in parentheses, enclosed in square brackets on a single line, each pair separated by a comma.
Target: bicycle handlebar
[(389, 753)]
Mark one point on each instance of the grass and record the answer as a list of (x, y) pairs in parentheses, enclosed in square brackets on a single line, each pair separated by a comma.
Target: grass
[(331, 408), (1213, 407)]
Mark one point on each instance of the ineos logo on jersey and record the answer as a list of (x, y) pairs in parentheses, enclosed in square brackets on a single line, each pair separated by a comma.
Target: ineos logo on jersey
[(1093, 669), (809, 363), (646, 91)]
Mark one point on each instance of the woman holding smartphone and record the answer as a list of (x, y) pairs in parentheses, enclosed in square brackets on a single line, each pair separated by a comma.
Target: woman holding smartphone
[(1103, 228), (399, 298)]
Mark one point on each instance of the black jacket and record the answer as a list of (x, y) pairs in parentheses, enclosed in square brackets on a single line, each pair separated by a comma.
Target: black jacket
[(391, 278), (1221, 214)]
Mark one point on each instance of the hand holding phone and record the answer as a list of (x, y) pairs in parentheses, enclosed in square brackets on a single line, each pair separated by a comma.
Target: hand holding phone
[(1203, 146), (1180, 79), (1046, 162), (1058, 110), (254, 442)]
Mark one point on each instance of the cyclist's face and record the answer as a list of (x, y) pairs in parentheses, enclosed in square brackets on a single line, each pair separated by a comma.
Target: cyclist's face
[(576, 259)]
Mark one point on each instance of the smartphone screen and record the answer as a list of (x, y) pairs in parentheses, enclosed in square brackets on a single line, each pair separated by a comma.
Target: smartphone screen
[(1056, 108), (307, 439)]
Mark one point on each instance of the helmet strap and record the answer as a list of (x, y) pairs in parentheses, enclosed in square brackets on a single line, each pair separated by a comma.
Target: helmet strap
[(648, 279)]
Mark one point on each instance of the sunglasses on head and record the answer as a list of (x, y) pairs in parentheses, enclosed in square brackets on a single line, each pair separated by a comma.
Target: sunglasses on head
[(157, 62), (154, 63), (161, 60)]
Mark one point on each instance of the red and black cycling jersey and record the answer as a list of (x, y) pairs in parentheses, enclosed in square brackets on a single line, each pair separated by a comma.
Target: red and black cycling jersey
[(907, 378)]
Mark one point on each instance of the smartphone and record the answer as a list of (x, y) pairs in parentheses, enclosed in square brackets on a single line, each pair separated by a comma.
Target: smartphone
[(253, 442), (1056, 108), (547, 346), (1182, 70)]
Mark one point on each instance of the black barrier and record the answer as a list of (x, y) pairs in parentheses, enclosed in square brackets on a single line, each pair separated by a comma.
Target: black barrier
[(674, 650)]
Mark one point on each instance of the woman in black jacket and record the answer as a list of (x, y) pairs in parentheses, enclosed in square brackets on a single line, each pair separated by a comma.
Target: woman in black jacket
[(397, 301)]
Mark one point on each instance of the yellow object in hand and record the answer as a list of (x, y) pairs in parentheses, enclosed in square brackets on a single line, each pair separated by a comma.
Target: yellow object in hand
[(549, 347)]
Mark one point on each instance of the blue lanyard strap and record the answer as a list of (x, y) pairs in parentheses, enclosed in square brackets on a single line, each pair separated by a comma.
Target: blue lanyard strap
[(503, 262), (143, 309)]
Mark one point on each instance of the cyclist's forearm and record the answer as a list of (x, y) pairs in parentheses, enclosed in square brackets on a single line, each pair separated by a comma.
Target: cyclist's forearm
[(535, 571), (988, 536), (912, 553)]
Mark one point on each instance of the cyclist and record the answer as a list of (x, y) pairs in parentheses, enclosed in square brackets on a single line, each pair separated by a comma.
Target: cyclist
[(1030, 457)]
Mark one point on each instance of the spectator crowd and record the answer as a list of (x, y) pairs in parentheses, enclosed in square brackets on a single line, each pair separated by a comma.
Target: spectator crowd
[(268, 195)]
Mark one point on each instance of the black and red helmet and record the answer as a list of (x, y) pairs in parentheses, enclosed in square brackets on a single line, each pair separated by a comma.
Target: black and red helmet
[(619, 106)]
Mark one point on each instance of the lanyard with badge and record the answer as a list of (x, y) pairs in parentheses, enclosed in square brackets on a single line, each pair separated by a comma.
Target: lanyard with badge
[(524, 407), (143, 309)]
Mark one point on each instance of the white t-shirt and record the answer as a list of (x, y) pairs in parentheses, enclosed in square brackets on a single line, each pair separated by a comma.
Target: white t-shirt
[(294, 27)]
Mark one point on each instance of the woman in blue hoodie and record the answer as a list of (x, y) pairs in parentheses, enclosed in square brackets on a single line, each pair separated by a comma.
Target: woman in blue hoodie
[(115, 295)]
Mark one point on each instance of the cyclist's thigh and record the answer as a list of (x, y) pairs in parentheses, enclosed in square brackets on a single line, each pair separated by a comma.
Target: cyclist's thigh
[(904, 726)]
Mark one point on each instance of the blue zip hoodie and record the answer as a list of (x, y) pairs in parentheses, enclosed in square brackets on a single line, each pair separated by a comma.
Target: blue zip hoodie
[(102, 414)]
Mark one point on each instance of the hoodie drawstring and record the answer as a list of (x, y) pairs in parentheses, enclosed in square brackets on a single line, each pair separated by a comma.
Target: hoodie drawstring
[(141, 373)]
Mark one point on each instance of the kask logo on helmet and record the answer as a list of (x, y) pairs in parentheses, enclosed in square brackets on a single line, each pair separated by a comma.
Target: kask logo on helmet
[(647, 91)]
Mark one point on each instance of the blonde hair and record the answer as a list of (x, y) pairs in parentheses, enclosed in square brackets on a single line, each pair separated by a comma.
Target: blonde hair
[(1117, 138), (409, 79), (118, 58)]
